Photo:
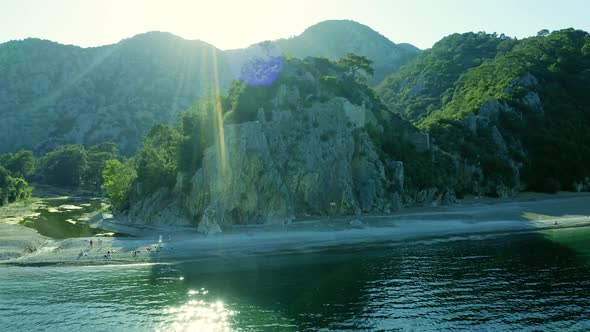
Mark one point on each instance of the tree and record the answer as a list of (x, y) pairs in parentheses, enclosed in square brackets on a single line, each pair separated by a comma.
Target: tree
[(117, 181), (12, 189), (157, 160), (353, 63), (198, 127), (97, 157), (21, 164), (64, 166)]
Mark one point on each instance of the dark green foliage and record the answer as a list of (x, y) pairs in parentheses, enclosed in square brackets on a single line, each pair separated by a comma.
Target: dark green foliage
[(418, 88), (448, 83), (335, 38), (118, 179), (353, 63), (97, 157), (157, 159), (49, 90), (422, 170), (20, 164), (12, 189), (313, 79), (68, 165), (65, 166), (199, 128), (243, 101)]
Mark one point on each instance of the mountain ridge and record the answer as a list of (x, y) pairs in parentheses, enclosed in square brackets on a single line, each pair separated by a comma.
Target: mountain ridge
[(54, 94)]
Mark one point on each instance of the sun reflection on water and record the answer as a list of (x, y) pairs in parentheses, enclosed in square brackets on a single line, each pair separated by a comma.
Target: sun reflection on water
[(198, 315)]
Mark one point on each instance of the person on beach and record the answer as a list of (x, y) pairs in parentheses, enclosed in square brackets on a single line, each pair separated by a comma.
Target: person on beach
[(90, 244), (100, 243)]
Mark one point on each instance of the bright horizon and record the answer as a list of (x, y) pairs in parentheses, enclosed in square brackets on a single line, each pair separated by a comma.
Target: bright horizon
[(237, 24)]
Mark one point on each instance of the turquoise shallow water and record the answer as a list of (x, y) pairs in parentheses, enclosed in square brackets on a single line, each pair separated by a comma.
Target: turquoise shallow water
[(534, 281)]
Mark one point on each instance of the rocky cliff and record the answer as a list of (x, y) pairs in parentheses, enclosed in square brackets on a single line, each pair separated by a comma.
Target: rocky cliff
[(317, 161), (305, 154)]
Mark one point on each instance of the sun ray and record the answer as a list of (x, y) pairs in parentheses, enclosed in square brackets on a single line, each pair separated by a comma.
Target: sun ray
[(219, 115)]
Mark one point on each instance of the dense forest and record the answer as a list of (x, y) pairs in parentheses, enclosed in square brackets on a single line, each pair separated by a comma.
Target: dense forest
[(518, 108), (68, 166)]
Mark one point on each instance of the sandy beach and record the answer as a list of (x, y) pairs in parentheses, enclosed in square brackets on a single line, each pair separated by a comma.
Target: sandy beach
[(20, 245)]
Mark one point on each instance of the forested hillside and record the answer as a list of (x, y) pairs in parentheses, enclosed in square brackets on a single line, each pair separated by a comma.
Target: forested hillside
[(52, 94), (519, 109)]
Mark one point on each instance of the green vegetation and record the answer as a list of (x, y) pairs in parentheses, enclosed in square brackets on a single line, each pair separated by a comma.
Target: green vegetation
[(64, 167), (169, 150), (20, 164), (69, 166), (503, 115), (157, 158), (12, 189), (335, 38), (197, 126), (14, 168), (118, 180), (420, 87), (354, 63), (97, 156), (54, 94), (534, 92), (309, 80)]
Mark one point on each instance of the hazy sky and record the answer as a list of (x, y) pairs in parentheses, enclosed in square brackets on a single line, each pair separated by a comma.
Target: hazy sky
[(235, 24)]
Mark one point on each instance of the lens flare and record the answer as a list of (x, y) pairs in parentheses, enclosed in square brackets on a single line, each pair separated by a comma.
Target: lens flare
[(261, 65)]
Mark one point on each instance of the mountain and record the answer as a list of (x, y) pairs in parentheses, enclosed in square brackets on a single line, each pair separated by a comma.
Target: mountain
[(417, 89), (53, 94), (334, 38), (514, 113)]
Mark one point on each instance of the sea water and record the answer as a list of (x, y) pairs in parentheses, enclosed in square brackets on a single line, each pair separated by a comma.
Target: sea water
[(526, 282)]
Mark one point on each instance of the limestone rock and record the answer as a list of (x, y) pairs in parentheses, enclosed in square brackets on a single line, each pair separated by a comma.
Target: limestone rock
[(308, 161), (209, 222), (161, 208)]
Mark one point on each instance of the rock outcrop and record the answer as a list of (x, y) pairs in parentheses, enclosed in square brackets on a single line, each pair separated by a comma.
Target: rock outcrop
[(311, 161)]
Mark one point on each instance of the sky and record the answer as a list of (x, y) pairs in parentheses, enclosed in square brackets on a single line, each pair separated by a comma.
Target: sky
[(236, 24)]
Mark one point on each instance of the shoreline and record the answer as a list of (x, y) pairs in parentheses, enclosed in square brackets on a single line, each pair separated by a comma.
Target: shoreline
[(466, 218)]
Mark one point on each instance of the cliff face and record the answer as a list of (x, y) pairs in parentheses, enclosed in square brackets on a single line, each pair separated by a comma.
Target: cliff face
[(315, 142), (315, 161)]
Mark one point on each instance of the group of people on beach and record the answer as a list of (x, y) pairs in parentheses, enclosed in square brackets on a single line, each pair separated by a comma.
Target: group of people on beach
[(91, 243), (108, 255)]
